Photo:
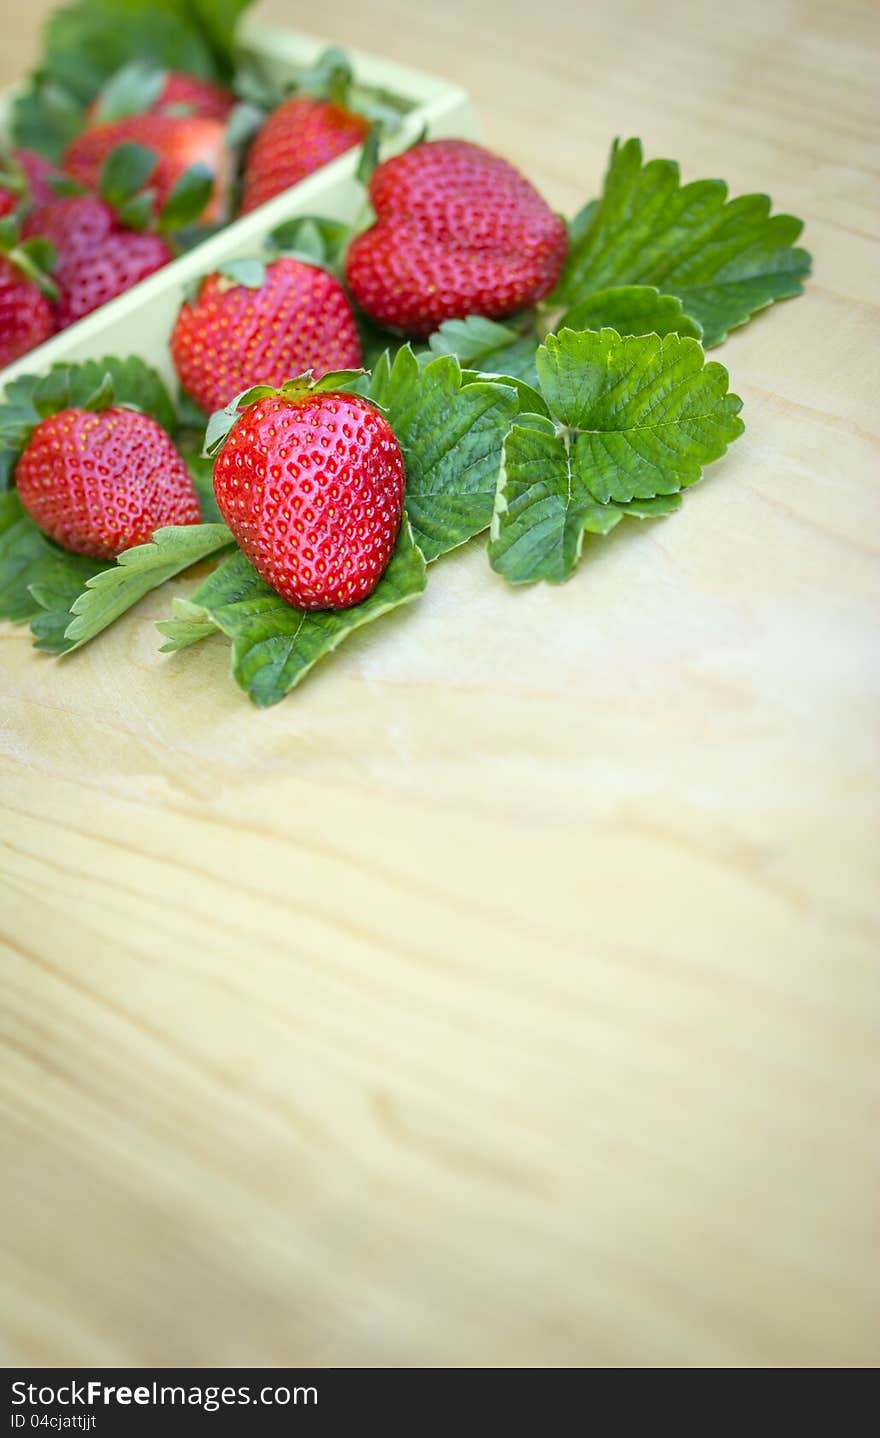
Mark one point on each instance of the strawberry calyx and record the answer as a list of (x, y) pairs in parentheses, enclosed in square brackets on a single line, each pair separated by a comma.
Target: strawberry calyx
[(35, 258), (222, 420), (132, 90)]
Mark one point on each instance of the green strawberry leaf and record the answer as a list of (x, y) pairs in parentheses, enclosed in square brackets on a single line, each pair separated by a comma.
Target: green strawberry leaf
[(54, 582), (485, 345), (369, 156), (724, 259), (634, 420), (631, 310), (646, 413), (243, 123), (188, 198), (139, 212), (21, 547), (330, 78), (451, 434), (249, 272), (125, 171), (66, 188), (35, 258), (312, 238), (131, 91), (109, 593), (275, 645), (37, 575)]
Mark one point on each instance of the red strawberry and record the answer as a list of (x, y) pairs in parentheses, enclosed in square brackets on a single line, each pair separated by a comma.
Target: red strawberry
[(233, 336), (299, 137), (99, 483), (97, 258), (459, 232), (200, 98), (179, 141), (312, 488), (26, 317)]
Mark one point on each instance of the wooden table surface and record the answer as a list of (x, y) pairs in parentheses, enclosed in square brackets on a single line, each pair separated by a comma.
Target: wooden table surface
[(508, 995)]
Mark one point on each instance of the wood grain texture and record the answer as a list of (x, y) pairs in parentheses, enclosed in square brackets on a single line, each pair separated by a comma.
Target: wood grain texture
[(509, 995)]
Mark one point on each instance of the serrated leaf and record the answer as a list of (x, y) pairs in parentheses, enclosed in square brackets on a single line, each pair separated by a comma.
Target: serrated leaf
[(111, 592), (635, 420), (646, 413), (125, 171), (723, 258), (131, 91), (485, 345), (451, 435), (38, 580), (191, 623), (631, 310), (275, 645), (543, 508), (188, 198), (54, 581)]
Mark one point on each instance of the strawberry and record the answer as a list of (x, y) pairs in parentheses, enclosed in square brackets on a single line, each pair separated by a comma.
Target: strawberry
[(311, 485), (96, 258), (299, 137), (178, 141), (100, 483), (458, 232), (26, 317), (298, 319), (181, 94)]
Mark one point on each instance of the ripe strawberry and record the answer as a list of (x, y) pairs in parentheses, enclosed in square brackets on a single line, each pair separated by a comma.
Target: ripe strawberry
[(97, 258), (233, 336), (179, 141), (459, 232), (99, 483), (299, 137), (26, 317), (312, 488), (182, 91)]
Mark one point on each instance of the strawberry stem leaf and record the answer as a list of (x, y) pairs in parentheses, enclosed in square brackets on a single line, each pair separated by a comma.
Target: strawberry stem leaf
[(125, 171), (130, 91), (188, 198), (248, 272)]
